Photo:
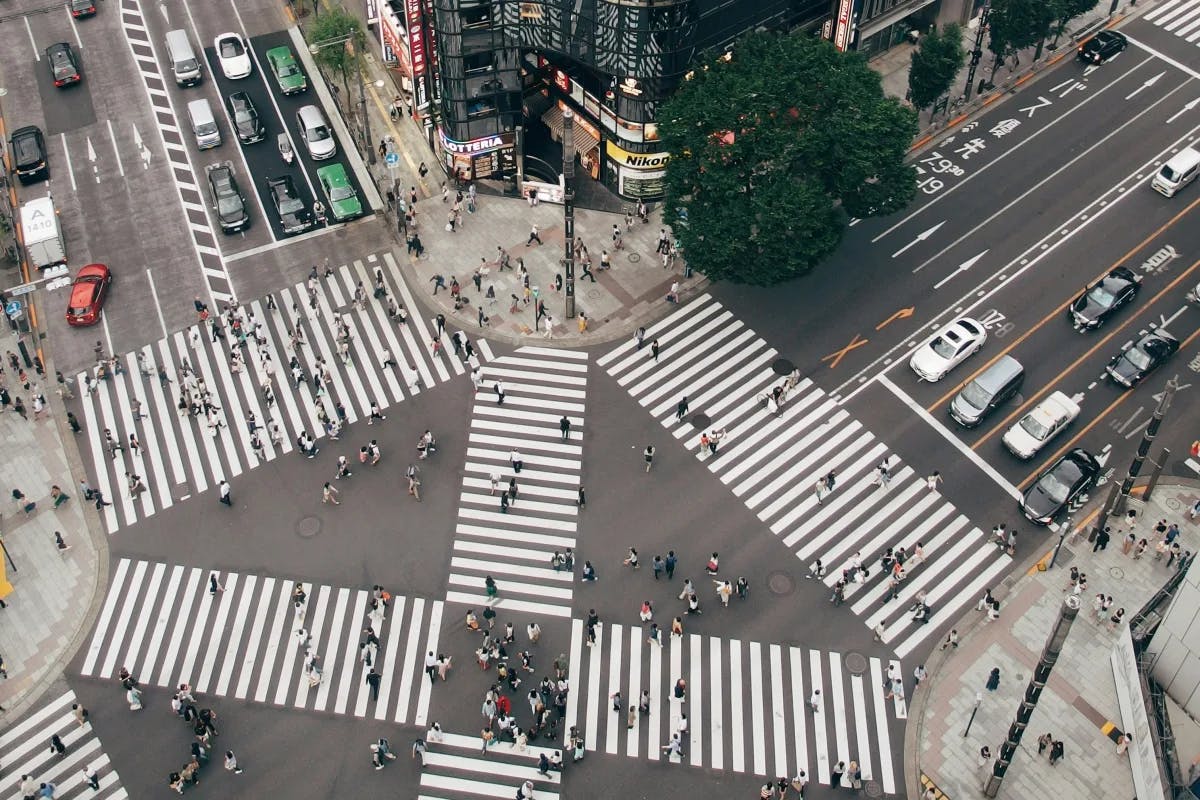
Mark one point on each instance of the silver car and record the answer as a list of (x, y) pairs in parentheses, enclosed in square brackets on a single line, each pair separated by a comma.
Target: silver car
[(314, 129)]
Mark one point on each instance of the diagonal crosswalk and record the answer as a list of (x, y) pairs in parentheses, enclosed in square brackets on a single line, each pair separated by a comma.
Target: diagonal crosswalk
[(1180, 17), (515, 544), (165, 625), (455, 767), (772, 461), (181, 454), (746, 704), (25, 751)]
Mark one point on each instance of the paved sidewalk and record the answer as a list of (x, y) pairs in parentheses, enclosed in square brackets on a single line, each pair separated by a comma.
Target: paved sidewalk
[(1080, 696), (55, 595)]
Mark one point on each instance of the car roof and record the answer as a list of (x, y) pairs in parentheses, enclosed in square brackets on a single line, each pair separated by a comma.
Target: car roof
[(92, 269), (971, 326), (311, 115)]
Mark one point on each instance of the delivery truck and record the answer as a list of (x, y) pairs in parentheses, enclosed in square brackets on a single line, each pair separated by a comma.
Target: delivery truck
[(43, 235)]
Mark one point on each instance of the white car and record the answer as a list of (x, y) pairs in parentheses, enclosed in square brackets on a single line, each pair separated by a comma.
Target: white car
[(948, 348), (233, 54), (1041, 424)]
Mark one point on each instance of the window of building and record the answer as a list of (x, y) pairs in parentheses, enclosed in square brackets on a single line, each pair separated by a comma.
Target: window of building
[(476, 17), (532, 10)]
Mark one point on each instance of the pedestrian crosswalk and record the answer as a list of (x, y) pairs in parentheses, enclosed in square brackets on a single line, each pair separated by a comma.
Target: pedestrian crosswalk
[(515, 543), (1180, 17), (771, 458), (26, 754), (166, 626), (180, 454), (746, 704), (456, 767)]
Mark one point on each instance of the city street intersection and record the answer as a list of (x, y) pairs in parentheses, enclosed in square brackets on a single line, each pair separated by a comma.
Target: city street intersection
[(1020, 207)]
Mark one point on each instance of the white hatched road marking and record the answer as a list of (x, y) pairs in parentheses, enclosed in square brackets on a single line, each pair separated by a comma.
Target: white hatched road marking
[(247, 633), (772, 462)]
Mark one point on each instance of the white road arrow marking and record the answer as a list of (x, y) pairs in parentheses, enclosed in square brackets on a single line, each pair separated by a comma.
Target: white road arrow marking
[(162, 7), (141, 146), (1165, 321), (1105, 454), (966, 265), (1150, 82), (1183, 110), (91, 154), (920, 238)]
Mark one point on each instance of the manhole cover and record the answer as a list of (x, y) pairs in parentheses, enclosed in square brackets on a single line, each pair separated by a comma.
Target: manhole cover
[(1116, 573), (782, 366), (781, 583), (308, 527), (699, 420), (872, 789), (856, 663)]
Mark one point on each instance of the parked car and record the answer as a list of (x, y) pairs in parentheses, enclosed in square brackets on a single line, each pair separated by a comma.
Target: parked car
[(948, 348), (287, 72), (227, 199), (88, 292), (343, 200), (1131, 366), (1073, 474), (234, 55), (64, 67), (1045, 421), (246, 122), (28, 148), (294, 216), (82, 8), (1104, 298)]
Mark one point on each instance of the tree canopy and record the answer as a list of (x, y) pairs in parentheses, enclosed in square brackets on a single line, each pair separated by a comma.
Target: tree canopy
[(771, 148), (935, 65), (1014, 25), (338, 38)]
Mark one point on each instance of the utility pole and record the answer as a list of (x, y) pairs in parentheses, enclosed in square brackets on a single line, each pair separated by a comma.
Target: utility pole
[(977, 53), (1037, 682), (1147, 439), (568, 148)]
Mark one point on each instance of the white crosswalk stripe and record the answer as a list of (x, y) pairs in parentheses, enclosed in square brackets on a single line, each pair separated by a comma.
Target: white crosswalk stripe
[(25, 750), (1180, 17), (180, 455), (515, 545), (773, 461), (746, 704), (455, 767), (155, 622)]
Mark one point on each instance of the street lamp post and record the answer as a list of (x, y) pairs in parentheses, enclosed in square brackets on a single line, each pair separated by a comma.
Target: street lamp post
[(568, 147), (348, 41)]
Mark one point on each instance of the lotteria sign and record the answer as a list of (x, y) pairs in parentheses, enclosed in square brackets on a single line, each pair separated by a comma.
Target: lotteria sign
[(480, 145), (640, 161)]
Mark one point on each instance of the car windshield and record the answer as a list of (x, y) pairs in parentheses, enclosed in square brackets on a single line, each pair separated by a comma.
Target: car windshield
[(341, 193), (943, 347), (975, 395), (1034, 427), (1101, 296), (1054, 487), (1138, 357)]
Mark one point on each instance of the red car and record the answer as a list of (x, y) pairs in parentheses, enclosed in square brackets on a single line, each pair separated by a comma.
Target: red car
[(87, 295)]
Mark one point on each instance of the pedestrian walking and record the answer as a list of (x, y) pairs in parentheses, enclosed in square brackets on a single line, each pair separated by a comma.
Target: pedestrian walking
[(951, 640), (226, 492), (564, 426), (533, 235), (681, 409), (1044, 741), (581, 500), (654, 348), (933, 480), (56, 746), (498, 388), (993, 681), (839, 772), (1056, 752), (91, 776), (534, 632), (373, 678), (648, 455), (814, 701), (231, 763), (489, 585), (1102, 539), (631, 559)]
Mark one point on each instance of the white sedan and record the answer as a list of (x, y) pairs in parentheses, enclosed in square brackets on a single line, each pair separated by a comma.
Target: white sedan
[(233, 54), (948, 348), (1041, 424)]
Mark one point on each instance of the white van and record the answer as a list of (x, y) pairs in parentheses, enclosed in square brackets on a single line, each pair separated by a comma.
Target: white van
[(183, 59), (1177, 173), (316, 134), (204, 124)]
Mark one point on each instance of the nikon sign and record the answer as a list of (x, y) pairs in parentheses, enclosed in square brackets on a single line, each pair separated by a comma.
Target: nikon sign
[(638, 161)]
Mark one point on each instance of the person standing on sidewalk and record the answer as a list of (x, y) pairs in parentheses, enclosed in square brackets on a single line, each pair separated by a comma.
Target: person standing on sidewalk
[(993, 681)]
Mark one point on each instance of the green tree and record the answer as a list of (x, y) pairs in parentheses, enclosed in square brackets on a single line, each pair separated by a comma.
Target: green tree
[(336, 40), (1015, 25), (1067, 10), (935, 65), (772, 148)]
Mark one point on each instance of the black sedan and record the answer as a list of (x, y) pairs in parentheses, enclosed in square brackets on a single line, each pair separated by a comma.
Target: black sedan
[(1104, 46), (1131, 366), (1103, 299), (227, 199), (64, 68), (294, 216), (1071, 476), (28, 148), (246, 122)]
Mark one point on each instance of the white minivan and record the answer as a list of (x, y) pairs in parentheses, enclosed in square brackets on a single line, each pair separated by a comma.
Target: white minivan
[(316, 134), (183, 59), (204, 124), (1178, 172)]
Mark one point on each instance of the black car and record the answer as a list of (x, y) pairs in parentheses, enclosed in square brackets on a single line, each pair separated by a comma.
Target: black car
[(294, 216), (1103, 299), (246, 123), (227, 199), (82, 8), (64, 69), (1135, 362), (1071, 476), (28, 148), (1104, 46)]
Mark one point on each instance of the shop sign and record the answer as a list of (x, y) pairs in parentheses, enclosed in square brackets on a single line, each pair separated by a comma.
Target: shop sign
[(637, 161), (480, 145), (630, 87), (416, 49), (845, 12)]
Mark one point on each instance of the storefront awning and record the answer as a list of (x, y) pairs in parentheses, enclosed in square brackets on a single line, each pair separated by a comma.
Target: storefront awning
[(584, 141)]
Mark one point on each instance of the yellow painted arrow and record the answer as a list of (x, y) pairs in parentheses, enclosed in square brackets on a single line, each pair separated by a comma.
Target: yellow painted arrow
[(903, 313)]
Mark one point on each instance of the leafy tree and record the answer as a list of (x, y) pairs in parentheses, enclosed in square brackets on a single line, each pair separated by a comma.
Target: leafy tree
[(1067, 10), (935, 65), (337, 39), (1015, 25), (772, 148)]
